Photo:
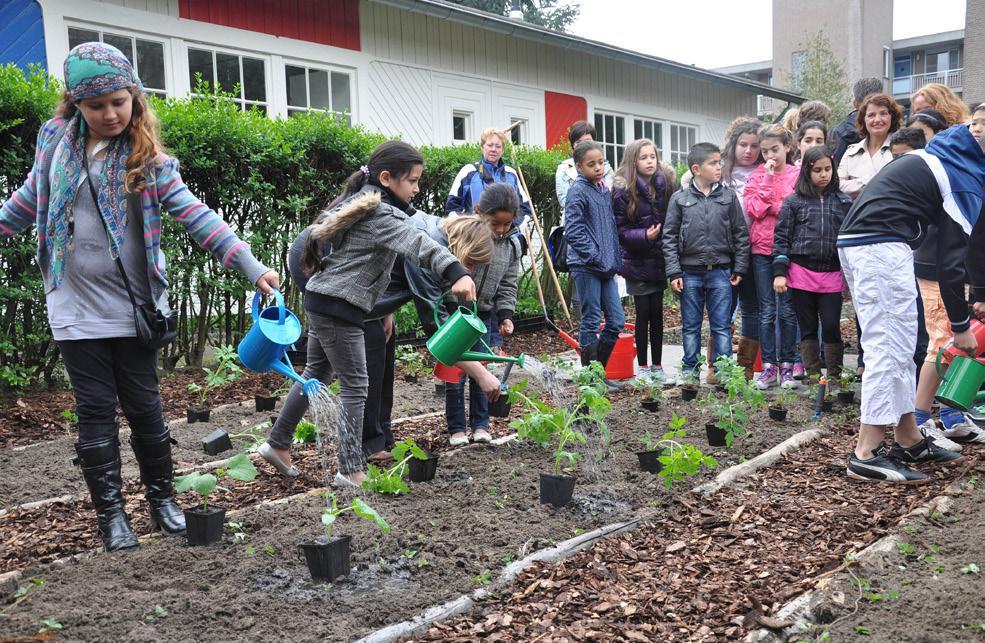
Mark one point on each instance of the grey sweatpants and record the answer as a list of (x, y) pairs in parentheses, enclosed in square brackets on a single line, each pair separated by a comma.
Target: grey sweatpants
[(333, 345)]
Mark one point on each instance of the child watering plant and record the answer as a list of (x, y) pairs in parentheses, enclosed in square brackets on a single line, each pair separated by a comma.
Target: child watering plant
[(640, 204), (805, 259), (593, 254), (95, 195)]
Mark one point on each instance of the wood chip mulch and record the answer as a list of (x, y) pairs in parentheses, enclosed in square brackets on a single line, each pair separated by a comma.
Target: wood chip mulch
[(710, 569)]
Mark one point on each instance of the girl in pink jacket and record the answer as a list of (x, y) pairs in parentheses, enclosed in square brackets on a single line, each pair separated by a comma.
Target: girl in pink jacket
[(768, 186)]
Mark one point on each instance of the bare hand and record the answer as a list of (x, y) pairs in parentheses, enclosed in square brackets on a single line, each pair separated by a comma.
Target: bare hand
[(388, 327), (965, 341), (677, 285), (464, 288), (780, 285), (735, 280), (489, 384), (653, 232), (769, 166), (506, 327), (268, 281)]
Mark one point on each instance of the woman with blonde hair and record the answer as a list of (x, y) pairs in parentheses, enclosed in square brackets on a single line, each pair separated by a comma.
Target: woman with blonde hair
[(96, 194), (941, 99)]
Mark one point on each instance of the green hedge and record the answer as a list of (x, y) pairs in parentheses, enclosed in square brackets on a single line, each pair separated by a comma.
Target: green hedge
[(267, 178)]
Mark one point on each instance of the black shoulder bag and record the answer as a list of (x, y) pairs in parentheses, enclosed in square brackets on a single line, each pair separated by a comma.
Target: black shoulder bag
[(155, 330)]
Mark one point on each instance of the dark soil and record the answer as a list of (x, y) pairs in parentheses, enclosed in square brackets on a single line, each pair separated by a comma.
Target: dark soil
[(932, 593), (227, 593)]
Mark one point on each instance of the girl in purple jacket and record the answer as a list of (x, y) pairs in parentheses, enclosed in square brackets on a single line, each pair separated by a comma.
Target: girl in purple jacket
[(639, 201)]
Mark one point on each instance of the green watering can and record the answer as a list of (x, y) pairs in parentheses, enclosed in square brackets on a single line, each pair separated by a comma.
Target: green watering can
[(960, 386), (455, 338)]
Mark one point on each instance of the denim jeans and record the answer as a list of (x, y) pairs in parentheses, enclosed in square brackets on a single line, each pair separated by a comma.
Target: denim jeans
[(493, 338), (749, 302), (455, 402), (599, 297), (769, 301), (711, 288)]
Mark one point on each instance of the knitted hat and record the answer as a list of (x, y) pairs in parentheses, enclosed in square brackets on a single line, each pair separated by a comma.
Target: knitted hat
[(94, 69)]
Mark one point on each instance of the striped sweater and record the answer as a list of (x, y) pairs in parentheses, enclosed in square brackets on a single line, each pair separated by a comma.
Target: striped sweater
[(164, 191)]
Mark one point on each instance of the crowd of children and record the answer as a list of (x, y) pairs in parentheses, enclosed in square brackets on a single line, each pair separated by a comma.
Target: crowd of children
[(773, 227)]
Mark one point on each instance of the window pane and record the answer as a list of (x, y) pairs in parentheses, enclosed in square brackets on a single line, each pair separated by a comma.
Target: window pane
[(620, 134), (458, 128), (150, 63), (297, 92), (200, 62), (619, 152), (78, 36), (123, 43), (599, 127), (318, 88), (609, 128), (227, 72), (254, 80), (341, 98), (638, 128)]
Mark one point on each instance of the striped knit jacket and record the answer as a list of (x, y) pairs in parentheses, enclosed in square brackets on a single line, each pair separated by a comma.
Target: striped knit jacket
[(164, 190)]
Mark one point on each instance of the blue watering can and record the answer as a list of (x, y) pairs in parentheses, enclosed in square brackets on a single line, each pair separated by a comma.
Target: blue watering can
[(275, 329)]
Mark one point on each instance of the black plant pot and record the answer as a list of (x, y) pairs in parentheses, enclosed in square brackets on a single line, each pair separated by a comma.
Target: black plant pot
[(780, 415), (422, 470), (411, 378), (689, 393), (649, 461), (556, 490), (439, 389), (327, 560), (716, 436), (650, 405), (828, 405), (217, 442), (846, 397), (264, 403), (194, 415), (501, 407), (204, 527)]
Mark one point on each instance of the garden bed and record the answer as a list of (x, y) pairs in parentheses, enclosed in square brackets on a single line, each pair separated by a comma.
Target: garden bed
[(227, 593)]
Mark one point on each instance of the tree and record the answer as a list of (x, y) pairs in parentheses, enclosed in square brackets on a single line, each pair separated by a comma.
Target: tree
[(820, 75), (556, 15)]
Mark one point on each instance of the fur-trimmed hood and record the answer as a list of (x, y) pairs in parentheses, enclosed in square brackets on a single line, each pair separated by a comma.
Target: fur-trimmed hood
[(346, 215)]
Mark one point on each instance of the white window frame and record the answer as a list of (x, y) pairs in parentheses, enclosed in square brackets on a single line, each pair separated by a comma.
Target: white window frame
[(168, 89), (469, 118), (522, 130), (680, 153), (618, 148), (658, 128), (330, 69), (267, 104), (887, 62)]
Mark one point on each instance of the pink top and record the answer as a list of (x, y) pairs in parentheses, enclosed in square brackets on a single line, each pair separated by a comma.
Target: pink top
[(801, 278), (764, 195)]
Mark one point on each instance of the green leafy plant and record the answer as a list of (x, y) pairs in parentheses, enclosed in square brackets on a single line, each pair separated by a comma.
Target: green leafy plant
[(847, 381), (252, 437), (305, 432), (483, 578), (239, 533), (593, 376), (970, 568), (24, 591), (679, 460), (359, 507), (783, 400), (391, 480), (71, 418), (225, 371), (411, 362), (649, 388), (50, 625), (733, 412), (692, 377), (155, 614), (237, 467)]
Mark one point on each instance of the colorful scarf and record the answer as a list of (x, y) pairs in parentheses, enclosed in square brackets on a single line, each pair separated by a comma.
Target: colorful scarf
[(91, 69)]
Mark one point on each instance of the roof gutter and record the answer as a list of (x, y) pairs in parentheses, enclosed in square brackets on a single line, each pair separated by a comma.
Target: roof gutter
[(491, 22)]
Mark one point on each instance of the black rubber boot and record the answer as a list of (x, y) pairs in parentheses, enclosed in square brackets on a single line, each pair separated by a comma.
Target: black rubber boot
[(157, 473), (605, 352), (589, 354), (100, 464)]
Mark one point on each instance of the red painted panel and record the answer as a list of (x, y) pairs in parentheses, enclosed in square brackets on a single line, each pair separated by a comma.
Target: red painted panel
[(333, 23), (561, 111)]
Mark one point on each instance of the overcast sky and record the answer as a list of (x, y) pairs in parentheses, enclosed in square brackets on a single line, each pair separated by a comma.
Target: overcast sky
[(667, 28)]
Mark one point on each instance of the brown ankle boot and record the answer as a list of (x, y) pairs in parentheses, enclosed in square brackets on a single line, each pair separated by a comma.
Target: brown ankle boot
[(746, 356), (712, 378), (810, 350), (834, 357)]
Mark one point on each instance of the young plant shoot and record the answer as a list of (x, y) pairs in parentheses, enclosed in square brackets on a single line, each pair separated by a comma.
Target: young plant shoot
[(358, 507), (226, 370), (238, 467), (391, 480)]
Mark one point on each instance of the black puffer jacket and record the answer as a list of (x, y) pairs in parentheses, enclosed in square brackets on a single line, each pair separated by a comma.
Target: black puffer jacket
[(807, 232)]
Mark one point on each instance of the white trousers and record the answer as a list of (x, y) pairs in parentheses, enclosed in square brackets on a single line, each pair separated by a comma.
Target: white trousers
[(884, 293)]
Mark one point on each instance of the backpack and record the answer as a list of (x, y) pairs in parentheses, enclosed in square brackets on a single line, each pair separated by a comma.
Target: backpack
[(557, 249)]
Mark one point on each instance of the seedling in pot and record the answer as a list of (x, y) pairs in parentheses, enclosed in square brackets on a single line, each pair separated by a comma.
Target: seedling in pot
[(269, 401), (781, 405), (205, 523), (672, 460), (391, 480), (327, 557), (691, 379), (732, 413), (846, 388), (411, 363), (652, 391), (226, 370)]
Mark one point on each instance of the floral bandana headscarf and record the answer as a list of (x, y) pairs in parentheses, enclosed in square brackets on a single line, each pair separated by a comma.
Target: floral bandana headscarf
[(91, 69)]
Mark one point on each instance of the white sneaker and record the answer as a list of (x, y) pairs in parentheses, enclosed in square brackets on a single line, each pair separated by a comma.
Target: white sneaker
[(966, 431), (929, 429), (458, 439), (658, 374), (643, 375)]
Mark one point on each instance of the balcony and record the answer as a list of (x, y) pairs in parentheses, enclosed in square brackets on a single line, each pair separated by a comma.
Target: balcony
[(906, 85)]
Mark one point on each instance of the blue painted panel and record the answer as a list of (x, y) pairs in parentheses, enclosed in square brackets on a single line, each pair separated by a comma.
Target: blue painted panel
[(21, 33)]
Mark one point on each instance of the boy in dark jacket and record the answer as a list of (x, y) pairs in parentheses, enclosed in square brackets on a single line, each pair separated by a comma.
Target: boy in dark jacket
[(706, 251), (593, 254), (942, 186)]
